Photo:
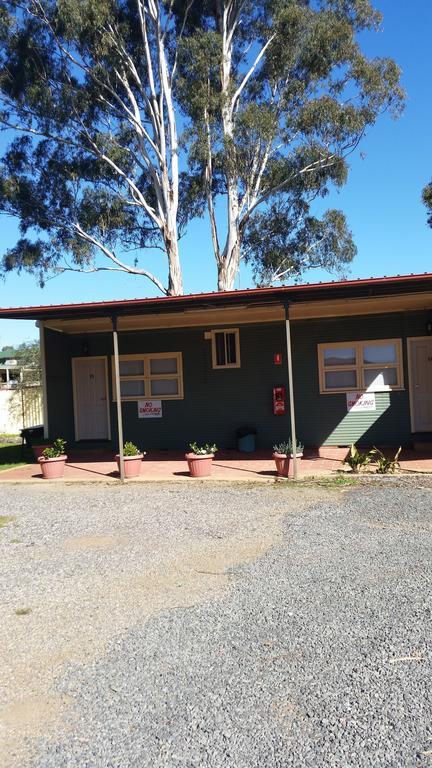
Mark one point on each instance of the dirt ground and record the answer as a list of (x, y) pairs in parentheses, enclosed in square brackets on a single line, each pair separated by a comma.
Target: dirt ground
[(81, 566)]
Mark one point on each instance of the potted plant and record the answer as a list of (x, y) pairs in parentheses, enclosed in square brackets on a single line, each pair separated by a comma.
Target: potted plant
[(53, 459), (283, 453), (200, 459), (132, 460), (39, 446)]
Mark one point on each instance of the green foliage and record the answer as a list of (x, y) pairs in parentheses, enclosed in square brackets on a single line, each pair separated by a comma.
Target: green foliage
[(73, 78), (129, 449), (294, 116), (202, 450), (427, 200), (286, 447), (29, 360), (357, 460), (284, 240), (386, 466), (55, 450)]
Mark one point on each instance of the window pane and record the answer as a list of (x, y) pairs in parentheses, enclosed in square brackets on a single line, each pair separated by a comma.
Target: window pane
[(131, 368), (163, 365), (339, 356), (340, 379), (380, 353), (164, 387), (376, 378), (231, 348), (132, 388), (220, 348)]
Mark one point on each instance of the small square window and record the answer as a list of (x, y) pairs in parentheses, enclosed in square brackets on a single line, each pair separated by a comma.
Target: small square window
[(225, 348), (132, 388), (341, 379), (160, 387), (160, 365), (339, 356), (131, 367)]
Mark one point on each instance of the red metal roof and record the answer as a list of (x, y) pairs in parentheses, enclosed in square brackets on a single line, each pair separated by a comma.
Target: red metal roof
[(374, 286)]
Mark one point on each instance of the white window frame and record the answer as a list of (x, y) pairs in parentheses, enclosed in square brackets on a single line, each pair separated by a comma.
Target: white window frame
[(212, 336), (147, 377), (360, 367)]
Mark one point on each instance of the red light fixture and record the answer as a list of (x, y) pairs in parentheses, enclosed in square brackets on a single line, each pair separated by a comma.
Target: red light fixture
[(277, 358)]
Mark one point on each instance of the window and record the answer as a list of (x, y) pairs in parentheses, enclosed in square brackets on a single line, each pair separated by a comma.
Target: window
[(158, 376), (373, 366), (225, 348)]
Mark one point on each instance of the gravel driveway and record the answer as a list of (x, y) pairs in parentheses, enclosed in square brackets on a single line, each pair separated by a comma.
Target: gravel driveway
[(202, 626)]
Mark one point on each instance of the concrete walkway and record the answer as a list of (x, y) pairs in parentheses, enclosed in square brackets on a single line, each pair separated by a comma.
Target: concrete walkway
[(228, 465)]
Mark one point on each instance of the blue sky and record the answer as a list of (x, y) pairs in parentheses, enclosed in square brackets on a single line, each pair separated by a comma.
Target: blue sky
[(382, 199)]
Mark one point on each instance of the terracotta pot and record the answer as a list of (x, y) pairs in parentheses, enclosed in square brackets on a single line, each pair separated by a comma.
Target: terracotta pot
[(199, 466), (39, 449), (52, 468), (132, 464), (284, 464)]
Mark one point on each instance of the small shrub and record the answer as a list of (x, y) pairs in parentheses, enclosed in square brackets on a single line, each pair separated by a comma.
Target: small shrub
[(55, 450), (357, 460), (202, 450), (286, 447), (130, 449), (387, 466)]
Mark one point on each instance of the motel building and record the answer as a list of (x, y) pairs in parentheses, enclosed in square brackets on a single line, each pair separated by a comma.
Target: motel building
[(336, 363)]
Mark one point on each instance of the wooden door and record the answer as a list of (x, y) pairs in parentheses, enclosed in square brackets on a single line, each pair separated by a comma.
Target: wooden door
[(421, 384), (91, 398)]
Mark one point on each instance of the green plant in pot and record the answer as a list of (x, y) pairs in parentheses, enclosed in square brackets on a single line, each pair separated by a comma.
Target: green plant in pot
[(283, 457), (199, 459), (132, 460), (53, 459)]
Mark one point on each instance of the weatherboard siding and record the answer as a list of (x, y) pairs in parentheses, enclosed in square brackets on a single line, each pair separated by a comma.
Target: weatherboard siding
[(217, 402)]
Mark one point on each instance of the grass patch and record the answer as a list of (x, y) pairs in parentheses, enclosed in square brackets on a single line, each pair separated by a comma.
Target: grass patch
[(13, 456), (5, 519), (340, 481), (5, 437), (334, 481), (23, 611)]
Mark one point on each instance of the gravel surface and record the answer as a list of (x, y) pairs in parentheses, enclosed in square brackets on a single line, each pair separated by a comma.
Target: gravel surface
[(314, 652)]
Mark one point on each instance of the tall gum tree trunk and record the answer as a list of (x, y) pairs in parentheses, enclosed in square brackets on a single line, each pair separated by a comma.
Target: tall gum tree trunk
[(175, 281), (228, 267)]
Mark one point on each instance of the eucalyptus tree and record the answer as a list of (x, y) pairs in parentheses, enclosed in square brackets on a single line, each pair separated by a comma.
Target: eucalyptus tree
[(427, 200), (278, 93), (92, 169)]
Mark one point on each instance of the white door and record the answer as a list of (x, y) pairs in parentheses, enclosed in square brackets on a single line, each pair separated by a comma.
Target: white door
[(421, 384), (91, 398)]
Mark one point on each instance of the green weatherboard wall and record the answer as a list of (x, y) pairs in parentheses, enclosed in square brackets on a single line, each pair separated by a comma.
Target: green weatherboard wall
[(217, 402)]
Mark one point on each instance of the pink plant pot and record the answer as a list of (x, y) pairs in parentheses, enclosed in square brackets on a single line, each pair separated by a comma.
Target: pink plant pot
[(52, 468), (199, 466), (285, 464), (132, 464)]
